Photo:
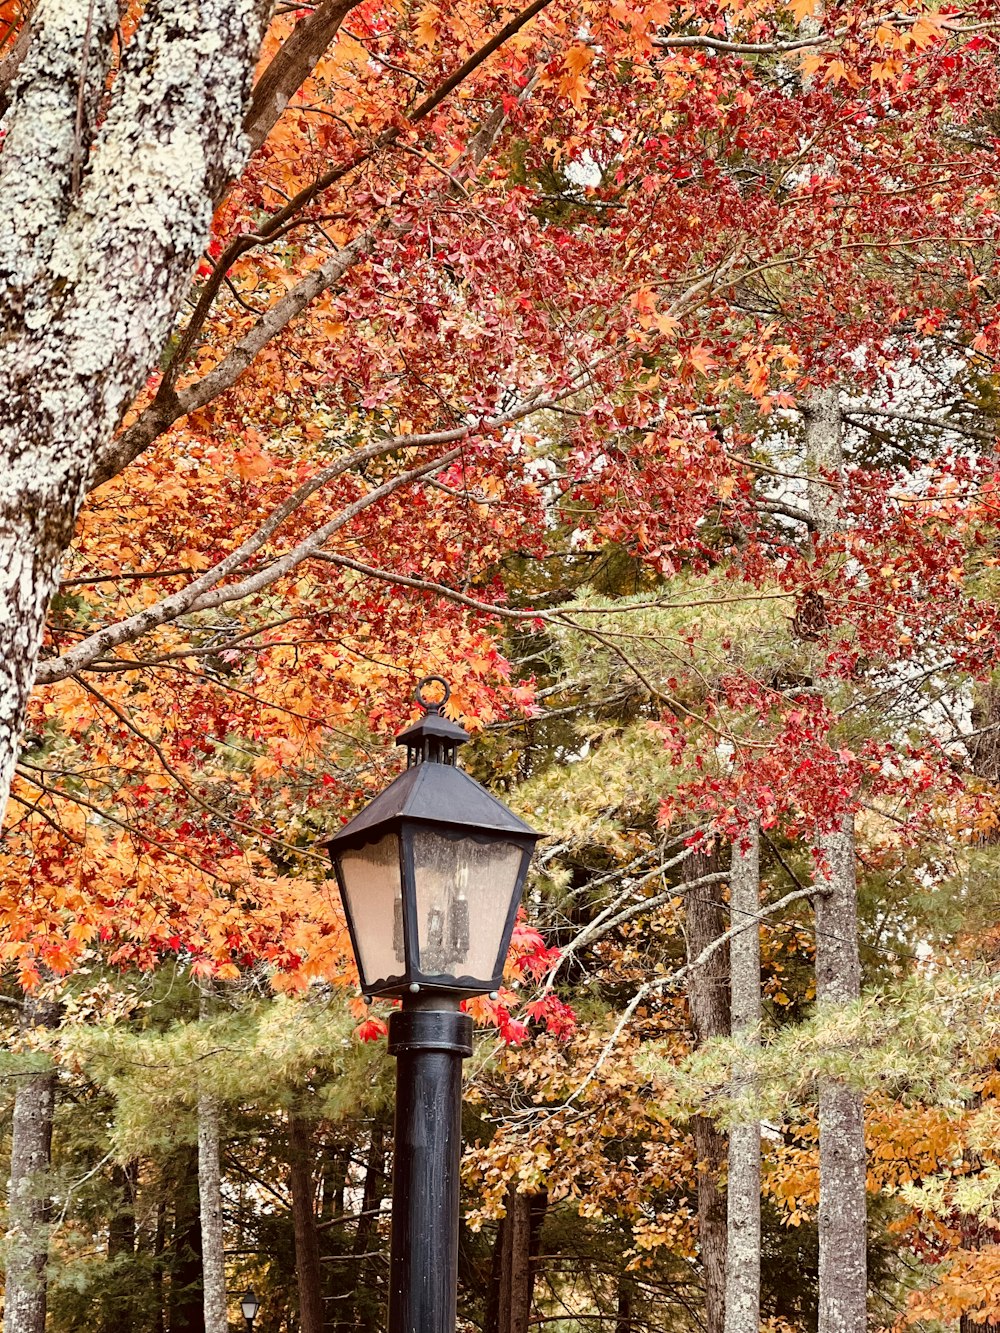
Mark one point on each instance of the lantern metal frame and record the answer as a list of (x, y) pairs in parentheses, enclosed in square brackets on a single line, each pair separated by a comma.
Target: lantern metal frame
[(430, 785)]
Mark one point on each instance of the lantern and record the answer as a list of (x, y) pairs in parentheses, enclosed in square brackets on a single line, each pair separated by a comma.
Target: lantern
[(431, 871)]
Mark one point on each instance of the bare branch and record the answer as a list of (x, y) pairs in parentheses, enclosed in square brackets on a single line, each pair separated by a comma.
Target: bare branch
[(661, 983), (169, 406), (291, 66), (203, 593), (918, 419), (705, 43)]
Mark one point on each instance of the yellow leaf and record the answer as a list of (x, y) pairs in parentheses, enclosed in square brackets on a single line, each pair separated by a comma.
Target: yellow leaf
[(926, 29), (427, 25)]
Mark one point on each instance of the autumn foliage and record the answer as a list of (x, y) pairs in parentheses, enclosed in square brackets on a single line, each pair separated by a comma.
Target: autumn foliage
[(505, 296)]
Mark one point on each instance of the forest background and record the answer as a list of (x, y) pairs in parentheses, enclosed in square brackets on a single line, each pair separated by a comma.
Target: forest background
[(633, 366)]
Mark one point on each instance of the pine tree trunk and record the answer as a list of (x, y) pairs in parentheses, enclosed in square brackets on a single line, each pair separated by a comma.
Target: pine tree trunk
[(843, 1262), (842, 1165), (159, 1245), (516, 1278), (366, 1238), (515, 1259), (118, 1305), (708, 999), (30, 1206), (307, 1264), (121, 1231), (623, 1316), (743, 1182), (186, 1306), (213, 1245)]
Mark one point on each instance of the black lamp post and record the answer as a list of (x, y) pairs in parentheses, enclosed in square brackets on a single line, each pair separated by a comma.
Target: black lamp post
[(431, 873), (249, 1305)]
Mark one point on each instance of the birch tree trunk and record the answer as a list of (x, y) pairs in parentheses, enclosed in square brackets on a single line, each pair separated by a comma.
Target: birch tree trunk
[(99, 235), (708, 999), (213, 1246), (743, 1180), (30, 1206), (843, 1262)]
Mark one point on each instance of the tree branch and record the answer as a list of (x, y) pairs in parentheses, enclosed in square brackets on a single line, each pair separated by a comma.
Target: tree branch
[(203, 593), (291, 66)]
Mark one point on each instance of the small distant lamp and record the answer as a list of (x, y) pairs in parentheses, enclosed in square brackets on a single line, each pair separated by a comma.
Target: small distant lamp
[(249, 1305), (430, 873)]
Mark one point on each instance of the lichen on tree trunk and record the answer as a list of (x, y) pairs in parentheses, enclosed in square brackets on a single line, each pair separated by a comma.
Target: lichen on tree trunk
[(743, 1177), (29, 1201), (97, 247), (708, 1001), (843, 1262), (213, 1250)]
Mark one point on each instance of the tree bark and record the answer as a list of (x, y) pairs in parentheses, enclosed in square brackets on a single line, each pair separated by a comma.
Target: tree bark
[(118, 1311), (708, 1000), (97, 247), (187, 1309), (518, 1243), (743, 1181), (623, 1316), (213, 1245), (121, 1231), (30, 1205), (843, 1277), (843, 1259), (307, 1264), (159, 1245)]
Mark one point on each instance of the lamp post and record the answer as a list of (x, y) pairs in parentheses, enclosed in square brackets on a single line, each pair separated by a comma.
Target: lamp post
[(249, 1305), (431, 873)]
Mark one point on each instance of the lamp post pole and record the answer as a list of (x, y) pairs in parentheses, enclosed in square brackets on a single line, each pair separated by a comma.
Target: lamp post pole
[(429, 1038), (430, 874)]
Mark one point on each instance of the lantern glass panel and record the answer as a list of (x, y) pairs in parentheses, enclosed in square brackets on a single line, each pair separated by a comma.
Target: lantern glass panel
[(463, 896), (372, 888)]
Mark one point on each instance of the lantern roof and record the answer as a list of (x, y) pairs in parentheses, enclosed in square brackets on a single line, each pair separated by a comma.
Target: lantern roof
[(433, 793), (432, 724)]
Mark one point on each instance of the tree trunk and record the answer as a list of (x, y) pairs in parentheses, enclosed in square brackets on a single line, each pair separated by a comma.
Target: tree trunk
[(623, 1318), (84, 321), (743, 1182), (159, 1245), (708, 999), (121, 1232), (518, 1244), (187, 1309), (843, 1261), (118, 1312), (213, 1245), (307, 1265), (30, 1204)]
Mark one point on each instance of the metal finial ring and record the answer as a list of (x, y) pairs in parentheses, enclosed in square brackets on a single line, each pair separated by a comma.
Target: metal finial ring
[(425, 704)]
